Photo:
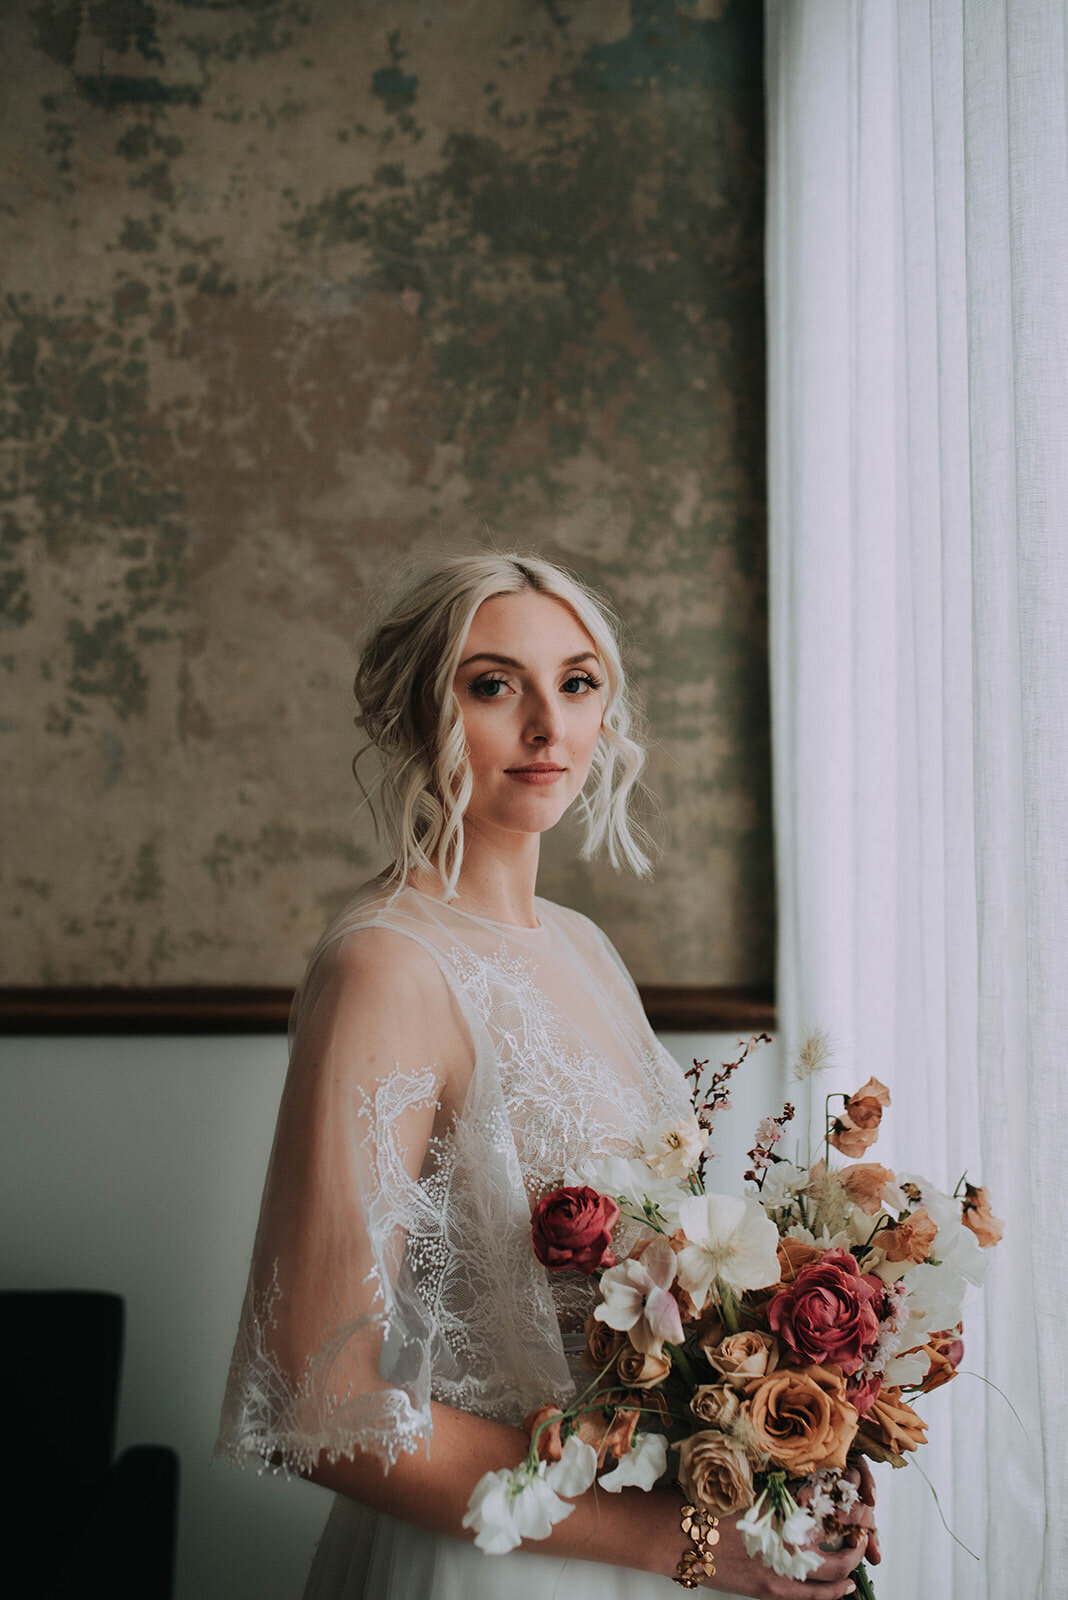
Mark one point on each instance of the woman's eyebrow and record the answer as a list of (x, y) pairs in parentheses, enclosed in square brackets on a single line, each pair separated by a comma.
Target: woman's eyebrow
[(510, 661)]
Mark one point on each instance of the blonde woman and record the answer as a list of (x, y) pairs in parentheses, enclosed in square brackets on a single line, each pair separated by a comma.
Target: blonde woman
[(458, 1044)]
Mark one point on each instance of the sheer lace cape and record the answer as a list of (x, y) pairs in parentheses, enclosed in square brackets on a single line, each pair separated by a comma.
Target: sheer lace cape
[(445, 1072)]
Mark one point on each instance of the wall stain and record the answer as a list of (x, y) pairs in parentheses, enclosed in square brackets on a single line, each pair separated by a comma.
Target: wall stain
[(301, 293)]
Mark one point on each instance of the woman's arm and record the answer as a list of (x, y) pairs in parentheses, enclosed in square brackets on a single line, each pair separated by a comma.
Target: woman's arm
[(634, 1528)]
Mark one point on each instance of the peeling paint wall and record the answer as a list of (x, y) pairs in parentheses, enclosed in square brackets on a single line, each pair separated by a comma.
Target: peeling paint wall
[(290, 294)]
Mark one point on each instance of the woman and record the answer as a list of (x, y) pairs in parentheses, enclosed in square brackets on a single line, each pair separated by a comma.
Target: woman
[(458, 1045)]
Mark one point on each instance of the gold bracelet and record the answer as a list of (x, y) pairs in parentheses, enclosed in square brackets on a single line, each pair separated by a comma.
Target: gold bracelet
[(700, 1562)]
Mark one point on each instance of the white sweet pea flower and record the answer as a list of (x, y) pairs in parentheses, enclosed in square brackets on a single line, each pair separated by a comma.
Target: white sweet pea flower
[(637, 1302), (630, 1182), (762, 1538), (935, 1301), (730, 1239), (575, 1470), (902, 1371), (954, 1245), (641, 1467), (507, 1507), (674, 1148), (781, 1185)]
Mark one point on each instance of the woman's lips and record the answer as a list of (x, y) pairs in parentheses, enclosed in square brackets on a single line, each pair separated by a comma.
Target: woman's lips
[(536, 775)]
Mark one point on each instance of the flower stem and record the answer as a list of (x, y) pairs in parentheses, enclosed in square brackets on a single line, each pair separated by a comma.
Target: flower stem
[(728, 1305), (863, 1582), (680, 1362)]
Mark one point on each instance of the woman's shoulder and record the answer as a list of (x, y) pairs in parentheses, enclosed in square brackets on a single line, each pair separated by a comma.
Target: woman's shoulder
[(378, 937)]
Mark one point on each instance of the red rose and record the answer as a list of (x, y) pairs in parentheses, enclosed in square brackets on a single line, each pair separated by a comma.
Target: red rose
[(573, 1228), (862, 1393), (826, 1313)]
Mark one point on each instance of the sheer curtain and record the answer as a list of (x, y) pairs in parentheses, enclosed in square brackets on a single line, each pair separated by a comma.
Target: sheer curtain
[(918, 474)]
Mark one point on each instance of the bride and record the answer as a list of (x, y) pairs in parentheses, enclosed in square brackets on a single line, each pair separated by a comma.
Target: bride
[(458, 1045)]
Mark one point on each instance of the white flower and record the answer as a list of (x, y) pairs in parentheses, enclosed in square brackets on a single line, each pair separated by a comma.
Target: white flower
[(674, 1148), (781, 1185), (575, 1470), (508, 1507), (731, 1239), (954, 1245), (636, 1299), (631, 1182), (935, 1301), (902, 1371), (641, 1467), (762, 1538)]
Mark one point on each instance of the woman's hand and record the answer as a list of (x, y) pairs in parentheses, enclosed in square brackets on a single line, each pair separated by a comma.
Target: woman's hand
[(739, 1573)]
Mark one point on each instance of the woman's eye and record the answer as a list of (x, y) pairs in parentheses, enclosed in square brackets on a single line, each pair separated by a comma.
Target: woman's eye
[(580, 684), (487, 688)]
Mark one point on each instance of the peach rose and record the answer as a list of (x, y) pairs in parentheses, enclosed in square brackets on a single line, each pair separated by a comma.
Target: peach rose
[(910, 1240), (715, 1474), (889, 1429), (977, 1215), (802, 1419), (864, 1184), (741, 1356), (715, 1403), (641, 1371)]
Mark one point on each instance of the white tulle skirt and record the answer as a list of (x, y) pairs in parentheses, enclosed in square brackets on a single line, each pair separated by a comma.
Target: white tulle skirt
[(363, 1555)]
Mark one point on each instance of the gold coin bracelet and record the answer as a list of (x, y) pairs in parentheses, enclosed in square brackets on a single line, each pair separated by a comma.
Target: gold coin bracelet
[(703, 1532)]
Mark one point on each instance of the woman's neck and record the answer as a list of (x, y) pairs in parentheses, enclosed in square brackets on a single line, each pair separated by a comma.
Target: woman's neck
[(497, 878)]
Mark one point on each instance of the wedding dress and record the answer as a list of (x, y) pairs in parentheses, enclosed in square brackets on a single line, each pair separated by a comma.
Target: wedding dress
[(446, 1071)]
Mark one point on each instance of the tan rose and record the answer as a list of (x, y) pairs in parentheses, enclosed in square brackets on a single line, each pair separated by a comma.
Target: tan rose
[(977, 1215), (864, 1184), (716, 1404), (889, 1429), (603, 1344), (741, 1356), (640, 1371), (715, 1474), (802, 1419), (910, 1240)]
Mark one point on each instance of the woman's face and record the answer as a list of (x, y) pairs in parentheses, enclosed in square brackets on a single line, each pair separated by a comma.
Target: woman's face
[(529, 686)]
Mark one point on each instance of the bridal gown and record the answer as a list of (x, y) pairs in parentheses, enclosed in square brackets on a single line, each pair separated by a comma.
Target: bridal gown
[(446, 1071)]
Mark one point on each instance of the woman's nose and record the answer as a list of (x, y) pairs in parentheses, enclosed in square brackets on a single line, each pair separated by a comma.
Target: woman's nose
[(545, 724)]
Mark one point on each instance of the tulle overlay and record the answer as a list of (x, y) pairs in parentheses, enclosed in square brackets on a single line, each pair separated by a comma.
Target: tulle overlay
[(445, 1072)]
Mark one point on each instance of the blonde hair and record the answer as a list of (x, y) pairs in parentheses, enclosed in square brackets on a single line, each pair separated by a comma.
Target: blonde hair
[(411, 716)]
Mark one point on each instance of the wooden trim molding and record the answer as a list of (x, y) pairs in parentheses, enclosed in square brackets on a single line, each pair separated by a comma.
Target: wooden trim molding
[(670, 1009)]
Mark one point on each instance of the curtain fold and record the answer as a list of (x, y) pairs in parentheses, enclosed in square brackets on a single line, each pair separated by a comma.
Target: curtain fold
[(917, 255)]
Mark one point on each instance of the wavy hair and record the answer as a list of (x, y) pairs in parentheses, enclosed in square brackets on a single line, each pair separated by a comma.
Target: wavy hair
[(412, 717)]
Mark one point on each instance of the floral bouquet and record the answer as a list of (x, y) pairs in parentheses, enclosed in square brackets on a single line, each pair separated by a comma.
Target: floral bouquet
[(768, 1341)]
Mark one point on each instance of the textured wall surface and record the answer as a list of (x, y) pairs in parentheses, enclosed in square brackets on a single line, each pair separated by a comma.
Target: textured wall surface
[(292, 293)]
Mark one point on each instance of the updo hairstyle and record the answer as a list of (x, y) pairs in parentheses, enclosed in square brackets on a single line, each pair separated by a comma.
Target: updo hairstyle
[(412, 717)]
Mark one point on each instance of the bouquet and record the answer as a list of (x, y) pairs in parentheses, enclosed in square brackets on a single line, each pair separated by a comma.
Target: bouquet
[(766, 1341)]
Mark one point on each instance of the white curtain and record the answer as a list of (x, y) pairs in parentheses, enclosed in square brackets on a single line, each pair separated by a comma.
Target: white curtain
[(918, 476)]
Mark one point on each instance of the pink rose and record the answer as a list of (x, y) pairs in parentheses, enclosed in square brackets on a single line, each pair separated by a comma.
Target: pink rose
[(573, 1228), (826, 1313)]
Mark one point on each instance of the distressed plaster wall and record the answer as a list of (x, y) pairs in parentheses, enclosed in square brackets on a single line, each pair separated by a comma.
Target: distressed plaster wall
[(291, 294)]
